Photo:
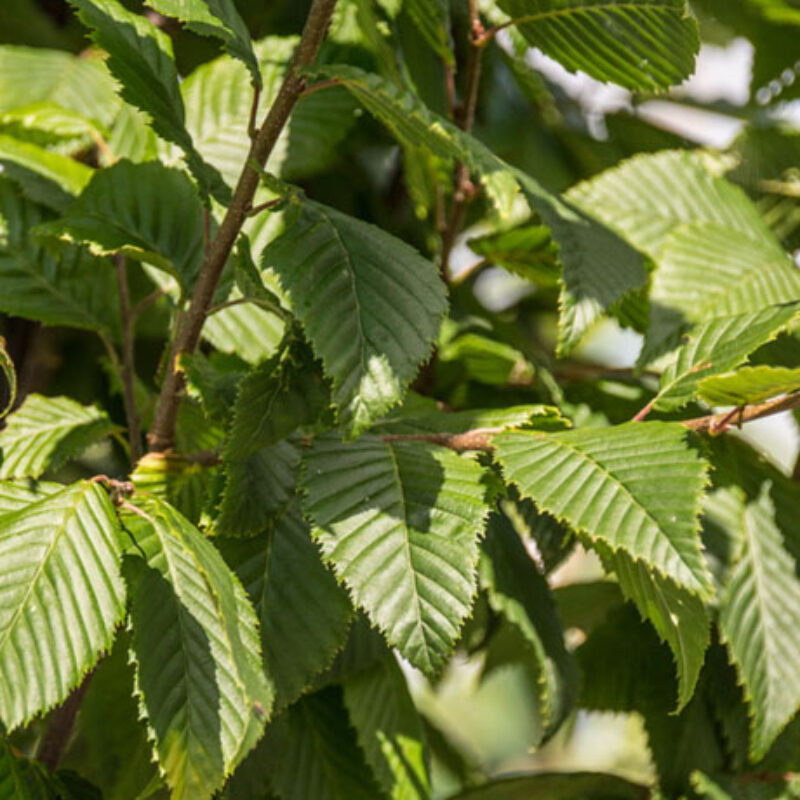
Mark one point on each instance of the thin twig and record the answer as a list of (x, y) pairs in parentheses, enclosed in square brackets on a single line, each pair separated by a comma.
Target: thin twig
[(718, 423), (478, 439), (254, 210), (128, 368), (252, 129), (146, 302), (238, 301), (328, 83), (187, 336)]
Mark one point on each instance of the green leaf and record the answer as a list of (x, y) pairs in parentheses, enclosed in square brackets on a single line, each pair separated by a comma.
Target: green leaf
[(44, 432), (635, 487), (400, 522), (558, 786), (217, 18), (146, 212), (246, 330), (528, 251), (61, 597), (10, 375), (519, 594), (197, 654), (21, 779), (313, 752), (389, 729), (760, 605), (68, 287), (432, 18), (140, 58), (304, 614), (370, 305), (678, 616), (17, 494), (731, 788), (715, 347), (639, 44), (748, 385)]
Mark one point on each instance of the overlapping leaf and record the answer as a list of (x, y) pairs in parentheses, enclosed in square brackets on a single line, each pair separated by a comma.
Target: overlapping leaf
[(557, 786), (749, 385), (370, 305), (636, 487), (304, 614), (432, 18), (639, 44), (717, 346), (197, 653), (61, 597), (400, 522), (389, 729), (46, 431), (10, 376), (144, 211)]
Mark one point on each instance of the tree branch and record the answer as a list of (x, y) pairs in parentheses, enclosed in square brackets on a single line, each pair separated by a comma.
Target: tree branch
[(719, 423), (162, 433), (128, 370)]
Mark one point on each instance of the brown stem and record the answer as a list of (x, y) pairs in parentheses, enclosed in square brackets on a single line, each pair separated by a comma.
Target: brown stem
[(146, 302), (128, 369), (479, 439), (162, 433), (717, 423), (55, 739)]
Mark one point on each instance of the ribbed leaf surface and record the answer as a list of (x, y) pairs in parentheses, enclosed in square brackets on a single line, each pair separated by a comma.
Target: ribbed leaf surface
[(558, 786), (10, 375), (759, 610), (304, 613), (313, 752), (400, 524), (519, 594), (140, 58), (389, 729), (371, 306), (69, 287), (61, 597), (599, 267), (47, 431), (639, 44), (635, 487), (17, 494), (218, 18), (144, 211), (717, 346), (749, 385), (432, 18), (679, 617), (196, 647)]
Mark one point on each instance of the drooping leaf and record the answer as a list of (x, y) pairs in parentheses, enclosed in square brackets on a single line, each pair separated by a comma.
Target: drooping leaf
[(68, 287), (389, 729), (44, 432), (62, 597), (432, 18), (140, 58), (370, 305), (636, 487), (748, 385), (715, 347), (146, 212), (643, 44), (761, 604), (772, 787), (196, 649), (519, 594), (558, 786), (304, 614), (21, 779), (312, 751), (400, 522), (10, 376), (217, 18)]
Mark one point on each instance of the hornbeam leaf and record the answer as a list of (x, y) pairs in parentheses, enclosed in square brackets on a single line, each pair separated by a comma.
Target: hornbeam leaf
[(400, 522), (44, 432), (760, 605), (69, 287), (748, 385), (519, 593), (558, 786), (311, 751), (635, 487), (638, 44), (146, 212), (10, 375), (140, 58), (61, 597), (600, 269), (370, 305), (389, 729), (432, 18), (304, 613), (717, 346), (218, 18), (17, 494), (21, 779), (196, 648)]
